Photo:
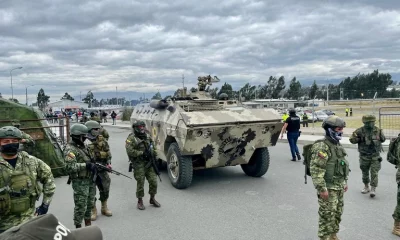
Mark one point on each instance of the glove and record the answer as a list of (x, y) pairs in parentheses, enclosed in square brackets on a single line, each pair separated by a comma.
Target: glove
[(90, 166), (42, 209)]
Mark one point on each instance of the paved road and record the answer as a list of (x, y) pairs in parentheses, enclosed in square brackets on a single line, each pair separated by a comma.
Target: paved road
[(225, 204)]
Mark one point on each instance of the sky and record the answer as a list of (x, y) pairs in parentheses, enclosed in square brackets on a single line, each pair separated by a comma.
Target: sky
[(116, 46)]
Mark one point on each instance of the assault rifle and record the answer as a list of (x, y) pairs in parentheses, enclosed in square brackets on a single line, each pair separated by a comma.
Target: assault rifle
[(152, 161), (102, 167)]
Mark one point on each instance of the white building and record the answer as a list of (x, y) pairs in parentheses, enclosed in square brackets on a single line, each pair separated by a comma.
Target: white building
[(270, 103), (66, 105)]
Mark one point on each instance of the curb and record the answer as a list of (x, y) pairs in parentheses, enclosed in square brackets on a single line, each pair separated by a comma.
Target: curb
[(345, 145)]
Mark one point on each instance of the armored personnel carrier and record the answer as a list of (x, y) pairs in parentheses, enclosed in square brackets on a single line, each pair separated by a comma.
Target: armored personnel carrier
[(192, 131)]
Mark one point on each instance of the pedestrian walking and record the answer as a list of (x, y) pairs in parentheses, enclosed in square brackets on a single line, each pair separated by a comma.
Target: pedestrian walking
[(292, 126)]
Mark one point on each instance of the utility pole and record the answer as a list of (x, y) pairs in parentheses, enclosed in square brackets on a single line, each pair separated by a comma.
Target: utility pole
[(116, 93)]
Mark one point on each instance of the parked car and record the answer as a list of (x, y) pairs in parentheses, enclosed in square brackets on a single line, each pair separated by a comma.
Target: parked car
[(328, 112), (321, 116)]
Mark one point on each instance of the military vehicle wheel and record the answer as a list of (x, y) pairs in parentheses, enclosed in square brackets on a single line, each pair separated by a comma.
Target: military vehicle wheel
[(180, 168), (258, 164)]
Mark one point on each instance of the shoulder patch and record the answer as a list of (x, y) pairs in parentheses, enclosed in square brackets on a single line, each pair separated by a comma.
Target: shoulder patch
[(71, 155), (322, 155)]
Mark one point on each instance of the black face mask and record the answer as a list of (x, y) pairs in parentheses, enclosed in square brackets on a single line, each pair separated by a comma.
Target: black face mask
[(10, 149)]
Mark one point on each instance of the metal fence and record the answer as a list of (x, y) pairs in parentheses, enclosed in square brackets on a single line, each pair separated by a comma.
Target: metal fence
[(389, 121)]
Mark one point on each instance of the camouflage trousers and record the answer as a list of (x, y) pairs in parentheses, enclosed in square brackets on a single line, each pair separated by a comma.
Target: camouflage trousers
[(103, 183), (370, 165), (330, 212), (141, 173), (396, 214), (10, 221), (84, 193)]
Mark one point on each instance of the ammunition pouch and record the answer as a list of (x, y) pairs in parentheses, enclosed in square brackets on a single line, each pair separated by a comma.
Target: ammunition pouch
[(5, 202)]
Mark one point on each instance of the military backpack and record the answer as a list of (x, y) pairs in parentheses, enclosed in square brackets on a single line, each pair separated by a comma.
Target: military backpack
[(392, 156), (307, 158)]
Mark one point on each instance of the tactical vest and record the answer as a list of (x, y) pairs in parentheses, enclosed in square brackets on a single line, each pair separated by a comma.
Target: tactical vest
[(372, 144), (82, 158), (337, 167), (100, 149), (140, 145), (18, 191)]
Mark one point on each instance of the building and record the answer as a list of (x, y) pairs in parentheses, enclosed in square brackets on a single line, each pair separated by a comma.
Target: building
[(270, 103), (66, 105)]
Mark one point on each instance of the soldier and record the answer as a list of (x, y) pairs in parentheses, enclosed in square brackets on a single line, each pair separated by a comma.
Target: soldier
[(103, 132), (81, 170), (329, 171), (27, 141), (305, 119), (369, 139), (100, 151), (393, 157), (136, 145), (19, 189)]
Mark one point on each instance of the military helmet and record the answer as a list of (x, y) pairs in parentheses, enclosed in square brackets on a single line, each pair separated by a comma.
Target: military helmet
[(139, 128), (10, 132), (92, 124), (333, 122), (138, 124), (78, 129), (368, 118), (15, 123)]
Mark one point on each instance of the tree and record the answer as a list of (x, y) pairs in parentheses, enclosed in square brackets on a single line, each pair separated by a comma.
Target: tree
[(280, 85), (294, 91), (42, 99), (226, 88), (313, 90), (213, 92), (14, 100), (88, 99), (157, 96), (67, 96), (1, 96)]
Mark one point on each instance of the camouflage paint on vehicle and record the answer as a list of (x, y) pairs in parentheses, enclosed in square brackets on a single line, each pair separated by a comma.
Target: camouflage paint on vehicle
[(204, 128), (46, 146)]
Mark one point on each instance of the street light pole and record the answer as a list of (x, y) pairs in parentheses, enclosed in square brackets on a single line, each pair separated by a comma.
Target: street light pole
[(12, 89), (26, 93)]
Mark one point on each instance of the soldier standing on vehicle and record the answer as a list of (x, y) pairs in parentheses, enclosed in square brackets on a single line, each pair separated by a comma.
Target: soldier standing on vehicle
[(369, 139), (19, 189), (137, 146), (100, 151), (292, 126), (81, 171), (329, 171)]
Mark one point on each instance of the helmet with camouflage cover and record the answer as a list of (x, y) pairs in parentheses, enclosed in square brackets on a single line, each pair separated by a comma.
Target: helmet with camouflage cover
[(368, 118), (10, 132), (78, 129), (333, 122), (92, 124), (16, 123), (139, 128)]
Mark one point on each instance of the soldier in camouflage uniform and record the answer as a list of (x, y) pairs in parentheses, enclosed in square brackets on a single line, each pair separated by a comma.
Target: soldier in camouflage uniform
[(27, 142), (136, 145), (100, 150), (395, 152), (369, 139), (81, 170), (103, 131), (329, 172), (19, 177)]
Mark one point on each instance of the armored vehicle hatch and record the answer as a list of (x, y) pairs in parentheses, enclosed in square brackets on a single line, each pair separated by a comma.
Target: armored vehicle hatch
[(193, 131)]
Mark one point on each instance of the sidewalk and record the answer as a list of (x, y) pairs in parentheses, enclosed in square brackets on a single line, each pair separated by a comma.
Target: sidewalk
[(306, 136)]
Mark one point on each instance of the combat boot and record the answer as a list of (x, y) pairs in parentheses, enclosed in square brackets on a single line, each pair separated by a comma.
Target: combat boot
[(140, 204), (334, 237), (78, 226), (154, 202), (396, 228), (105, 210), (88, 222), (372, 194), (94, 213), (365, 189)]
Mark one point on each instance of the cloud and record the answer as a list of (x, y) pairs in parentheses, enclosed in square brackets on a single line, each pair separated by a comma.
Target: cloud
[(145, 46)]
